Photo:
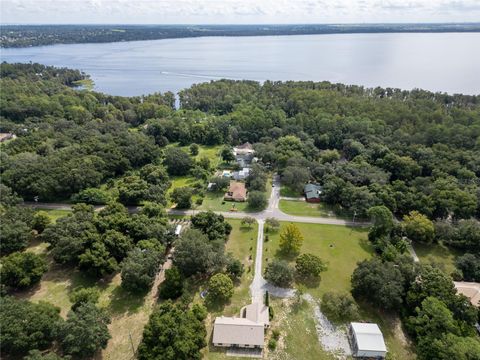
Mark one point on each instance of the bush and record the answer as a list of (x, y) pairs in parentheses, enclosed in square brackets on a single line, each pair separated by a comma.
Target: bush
[(272, 344), (276, 334), (339, 306)]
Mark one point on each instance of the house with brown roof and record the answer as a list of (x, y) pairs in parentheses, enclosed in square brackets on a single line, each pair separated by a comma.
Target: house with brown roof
[(236, 192)]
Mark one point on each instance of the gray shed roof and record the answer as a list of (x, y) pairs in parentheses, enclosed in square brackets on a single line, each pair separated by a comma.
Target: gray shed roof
[(368, 337)]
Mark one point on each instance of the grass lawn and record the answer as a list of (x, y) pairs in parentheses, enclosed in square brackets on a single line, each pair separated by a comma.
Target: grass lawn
[(287, 192), (211, 152), (303, 208), (437, 254), (340, 247), (213, 200), (242, 243), (54, 215)]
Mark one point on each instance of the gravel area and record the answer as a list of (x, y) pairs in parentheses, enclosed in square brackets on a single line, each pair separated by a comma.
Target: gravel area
[(332, 338)]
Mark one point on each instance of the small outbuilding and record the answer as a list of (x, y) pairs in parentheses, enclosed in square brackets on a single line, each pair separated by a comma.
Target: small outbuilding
[(367, 341)]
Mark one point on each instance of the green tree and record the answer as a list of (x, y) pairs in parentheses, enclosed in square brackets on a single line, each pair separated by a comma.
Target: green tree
[(139, 269), (235, 268), (81, 296), (132, 190), (279, 273), (418, 227), (85, 331), (182, 197), (22, 270), (295, 177), (117, 244), (380, 283), (194, 149), (291, 240), (257, 200), (196, 254), (227, 154), (40, 221), (172, 286), (177, 161), (248, 221), (382, 219), (97, 261), (272, 224), (15, 235), (92, 196), (469, 265), (211, 224), (27, 326), (309, 266), (160, 342), (220, 288), (340, 307)]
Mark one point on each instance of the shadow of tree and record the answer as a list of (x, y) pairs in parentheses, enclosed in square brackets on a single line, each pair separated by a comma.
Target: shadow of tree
[(123, 302)]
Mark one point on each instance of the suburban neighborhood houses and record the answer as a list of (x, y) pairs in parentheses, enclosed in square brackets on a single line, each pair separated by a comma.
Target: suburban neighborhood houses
[(236, 192)]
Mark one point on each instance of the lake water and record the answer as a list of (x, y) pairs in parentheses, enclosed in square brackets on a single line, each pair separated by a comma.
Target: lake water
[(448, 62)]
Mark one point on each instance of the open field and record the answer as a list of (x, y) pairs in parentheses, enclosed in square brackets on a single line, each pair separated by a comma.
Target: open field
[(341, 248), (437, 254), (303, 208)]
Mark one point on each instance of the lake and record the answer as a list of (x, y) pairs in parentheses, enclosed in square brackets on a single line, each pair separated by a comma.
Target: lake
[(447, 62)]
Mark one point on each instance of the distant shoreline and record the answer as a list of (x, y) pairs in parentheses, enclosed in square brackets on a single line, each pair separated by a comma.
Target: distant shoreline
[(19, 36)]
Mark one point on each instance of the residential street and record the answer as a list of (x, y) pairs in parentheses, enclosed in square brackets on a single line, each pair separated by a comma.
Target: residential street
[(259, 285)]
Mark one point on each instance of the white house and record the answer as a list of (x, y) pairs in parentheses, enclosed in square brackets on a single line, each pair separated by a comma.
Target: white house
[(246, 331), (367, 341)]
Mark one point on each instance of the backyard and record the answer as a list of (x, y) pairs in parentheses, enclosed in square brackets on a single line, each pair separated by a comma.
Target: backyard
[(341, 248), (130, 313), (438, 255)]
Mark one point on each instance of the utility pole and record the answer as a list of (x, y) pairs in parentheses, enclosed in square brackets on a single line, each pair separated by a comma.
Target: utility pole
[(131, 343)]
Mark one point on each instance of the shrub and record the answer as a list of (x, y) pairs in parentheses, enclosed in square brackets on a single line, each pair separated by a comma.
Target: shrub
[(272, 344)]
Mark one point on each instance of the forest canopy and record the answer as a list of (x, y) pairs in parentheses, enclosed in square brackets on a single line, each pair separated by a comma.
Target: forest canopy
[(406, 150)]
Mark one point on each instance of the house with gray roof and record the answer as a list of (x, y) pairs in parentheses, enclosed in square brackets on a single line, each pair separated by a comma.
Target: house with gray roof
[(246, 331), (312, 192)]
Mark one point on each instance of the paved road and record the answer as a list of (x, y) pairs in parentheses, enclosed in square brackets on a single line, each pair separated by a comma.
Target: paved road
[(259, 284)]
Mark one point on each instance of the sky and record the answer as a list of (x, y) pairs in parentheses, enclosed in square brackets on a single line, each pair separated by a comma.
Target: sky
[(236, 11)]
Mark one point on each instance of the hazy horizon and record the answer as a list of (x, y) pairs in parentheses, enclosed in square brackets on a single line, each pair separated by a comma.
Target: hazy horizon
[(232, 12)]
